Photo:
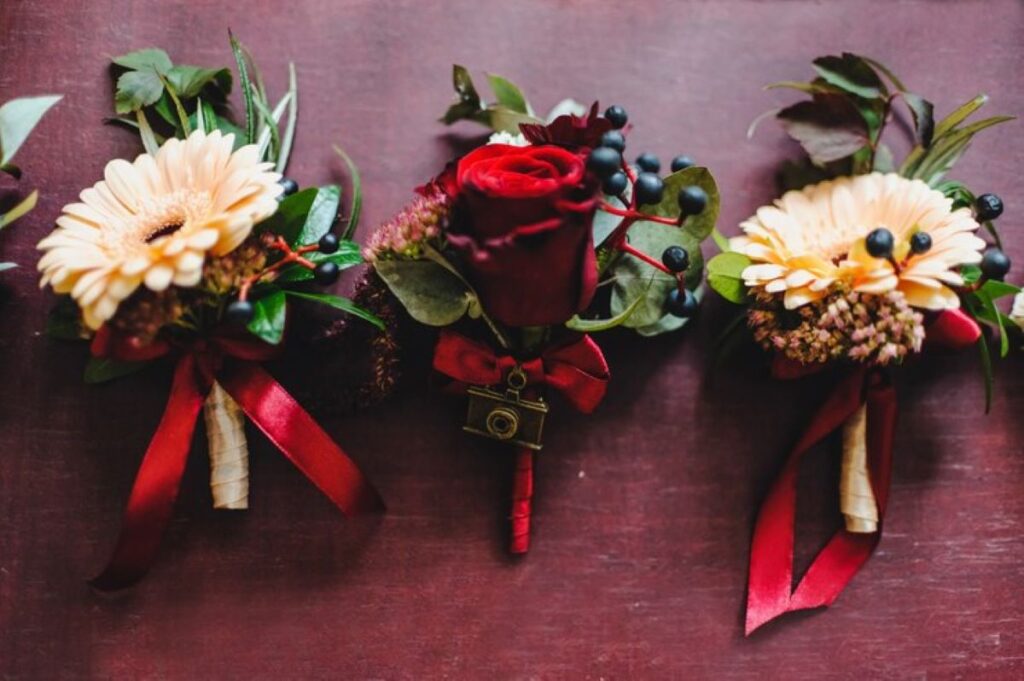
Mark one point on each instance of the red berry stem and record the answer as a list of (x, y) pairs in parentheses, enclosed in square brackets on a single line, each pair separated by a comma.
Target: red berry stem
[(290, 256), (636, 253)]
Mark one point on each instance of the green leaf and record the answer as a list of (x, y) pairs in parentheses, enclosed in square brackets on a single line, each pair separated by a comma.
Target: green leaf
[(247, 89), (503, 119), (149, 140), (357, 194), (852, 74), (23, 207), (922, 111), (721, 241), (268, 320), (959, 115), (508, 94), (970, 273), (829, 127), (998, 289), (698, 226), (137, 89), (430, 293), (469, 104), (293, 115), (189, 81), (879, 66), (986, 369), (799, 173), (343, 304), (347, 255), (934, 163), (596, 325), (17, 119), (725, 276), (150, 58), (290, 218), (103, 369), (816, 86), (321, 215)]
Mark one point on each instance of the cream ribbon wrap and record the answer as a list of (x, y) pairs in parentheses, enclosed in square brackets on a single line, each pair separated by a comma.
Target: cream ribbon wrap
[(229, 453), (856, 497)]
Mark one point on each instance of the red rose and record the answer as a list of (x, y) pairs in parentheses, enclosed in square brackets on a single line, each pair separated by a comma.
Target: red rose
[(522, 223)]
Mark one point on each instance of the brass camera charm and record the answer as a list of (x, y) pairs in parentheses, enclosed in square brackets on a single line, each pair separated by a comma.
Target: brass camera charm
[(506, 416)]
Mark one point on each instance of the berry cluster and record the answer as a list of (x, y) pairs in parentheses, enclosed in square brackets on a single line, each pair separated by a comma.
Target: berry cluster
[(325, 273), (606, 162), (995, 264)]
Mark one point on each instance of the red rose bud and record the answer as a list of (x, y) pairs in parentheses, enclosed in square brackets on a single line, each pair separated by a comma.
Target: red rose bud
[(523, 226)]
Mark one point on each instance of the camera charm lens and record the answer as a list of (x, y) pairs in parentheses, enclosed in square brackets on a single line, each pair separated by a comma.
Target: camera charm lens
[(506, 416)]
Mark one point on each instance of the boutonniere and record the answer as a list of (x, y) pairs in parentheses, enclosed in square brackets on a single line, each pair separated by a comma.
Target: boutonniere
[(860, 265), (525, 247), (196, 250)]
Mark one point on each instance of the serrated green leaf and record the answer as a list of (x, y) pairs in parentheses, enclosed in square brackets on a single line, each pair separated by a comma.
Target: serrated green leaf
[(150, 58), (829, 127), (137, 89), (340, 303), (508, 94), (189, 81), (17, 119), (103, 369), (430, 293), (269, 316), (852, 74)]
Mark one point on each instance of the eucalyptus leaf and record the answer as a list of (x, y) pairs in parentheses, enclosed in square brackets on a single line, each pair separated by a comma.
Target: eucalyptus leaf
[(269, 316), (17, 119), (430, 293), (596, 325), (699, 226)]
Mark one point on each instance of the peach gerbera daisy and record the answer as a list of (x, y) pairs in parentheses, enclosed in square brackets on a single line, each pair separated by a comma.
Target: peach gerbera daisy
[(154, 221), (813, 240)]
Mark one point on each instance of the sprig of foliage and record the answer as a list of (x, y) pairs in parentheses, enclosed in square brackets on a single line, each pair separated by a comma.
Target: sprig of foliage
[(510, 109)]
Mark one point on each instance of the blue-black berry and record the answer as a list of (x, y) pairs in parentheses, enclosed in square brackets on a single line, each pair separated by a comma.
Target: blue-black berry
[(988, 207), (880, 243), (614, 139), (328, 243), (648, 188), (676, 259), (239, 312), (681, 303), (604, 161), (290, 186), (615, 184), (326, 273), (920, 243), (692, 200), (994, 264), (616, 115), (681, 163), (648, 162)]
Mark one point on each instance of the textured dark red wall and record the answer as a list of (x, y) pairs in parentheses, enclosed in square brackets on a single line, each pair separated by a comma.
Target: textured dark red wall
[(644, 510)]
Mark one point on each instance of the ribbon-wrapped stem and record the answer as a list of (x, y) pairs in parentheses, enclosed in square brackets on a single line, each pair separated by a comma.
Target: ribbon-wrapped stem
[(856, 498), (229, 452), (522, 502)]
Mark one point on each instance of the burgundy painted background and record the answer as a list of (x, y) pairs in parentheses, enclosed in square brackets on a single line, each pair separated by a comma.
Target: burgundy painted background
[(643, 511)]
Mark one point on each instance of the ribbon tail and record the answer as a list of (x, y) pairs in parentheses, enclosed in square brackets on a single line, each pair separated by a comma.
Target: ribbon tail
[(770, 581), (301, 439), (156, 484), (522, 502)]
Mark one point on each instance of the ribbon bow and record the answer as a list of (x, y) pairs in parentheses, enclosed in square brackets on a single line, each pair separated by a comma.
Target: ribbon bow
[(233, 364), (576, 369)]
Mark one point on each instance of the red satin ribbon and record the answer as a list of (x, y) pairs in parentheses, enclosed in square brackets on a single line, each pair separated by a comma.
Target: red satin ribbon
[(576, 369), (264, 401), (769, 592)]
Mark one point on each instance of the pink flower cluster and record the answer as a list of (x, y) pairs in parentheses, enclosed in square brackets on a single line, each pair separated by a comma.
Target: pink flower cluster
[(871, 329), (404, 235)]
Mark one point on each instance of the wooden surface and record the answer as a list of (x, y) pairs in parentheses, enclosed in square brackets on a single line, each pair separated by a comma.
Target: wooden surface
[(644, 510)]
